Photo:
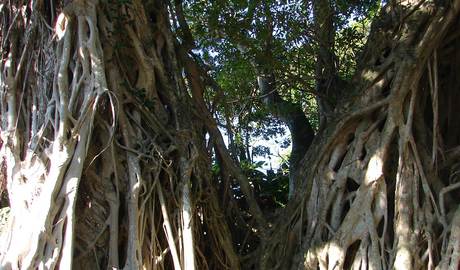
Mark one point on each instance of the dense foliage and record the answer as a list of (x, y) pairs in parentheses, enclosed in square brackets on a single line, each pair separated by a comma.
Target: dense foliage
[(229, 37)]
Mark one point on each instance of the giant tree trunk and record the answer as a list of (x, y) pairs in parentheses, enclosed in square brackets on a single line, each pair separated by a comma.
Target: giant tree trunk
[(380, 184), (102, 165)]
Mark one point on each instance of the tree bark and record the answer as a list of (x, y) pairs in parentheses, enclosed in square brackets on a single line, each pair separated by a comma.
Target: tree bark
[(326, 75), (100, 143), (369, 198)]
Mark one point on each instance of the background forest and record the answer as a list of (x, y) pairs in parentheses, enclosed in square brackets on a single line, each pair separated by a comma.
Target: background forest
[(239, 43)]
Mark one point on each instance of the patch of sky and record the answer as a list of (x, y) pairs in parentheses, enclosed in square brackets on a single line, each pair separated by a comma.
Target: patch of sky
[(278, 146)]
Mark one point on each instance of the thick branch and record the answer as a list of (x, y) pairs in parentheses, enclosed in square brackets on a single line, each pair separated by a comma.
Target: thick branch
[(326, 71)]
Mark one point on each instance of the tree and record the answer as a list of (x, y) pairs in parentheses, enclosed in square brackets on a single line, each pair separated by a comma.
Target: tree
[(98, 144), (375, 197), (108, 141)]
